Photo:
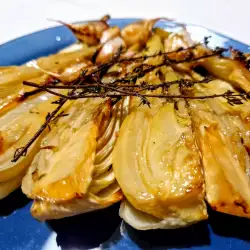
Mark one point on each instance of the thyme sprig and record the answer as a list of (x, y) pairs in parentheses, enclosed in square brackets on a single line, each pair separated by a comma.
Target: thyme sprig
[(110, 90), (91, 85)]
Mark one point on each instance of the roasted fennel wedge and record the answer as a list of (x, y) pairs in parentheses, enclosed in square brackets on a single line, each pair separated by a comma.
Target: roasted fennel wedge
[(63, 66), (16, 129), (63, 168), (62, 178), (157, 166), (156, 161), (221, 131)]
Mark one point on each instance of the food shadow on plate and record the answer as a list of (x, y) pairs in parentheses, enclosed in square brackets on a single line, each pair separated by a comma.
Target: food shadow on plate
[(229, 225), (13, 202), (196, 235), (88, 230), (105, 228)]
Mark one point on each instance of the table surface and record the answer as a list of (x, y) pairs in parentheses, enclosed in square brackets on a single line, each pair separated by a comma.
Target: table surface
[(21, 17)]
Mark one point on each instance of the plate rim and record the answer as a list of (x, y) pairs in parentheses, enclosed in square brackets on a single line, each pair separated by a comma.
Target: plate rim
[(119, 20)]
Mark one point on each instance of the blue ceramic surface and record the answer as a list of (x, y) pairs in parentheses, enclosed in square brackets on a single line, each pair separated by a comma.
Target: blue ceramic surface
[(19, 231)]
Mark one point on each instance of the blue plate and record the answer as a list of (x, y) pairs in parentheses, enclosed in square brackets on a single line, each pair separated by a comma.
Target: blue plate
[(18, 230)]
